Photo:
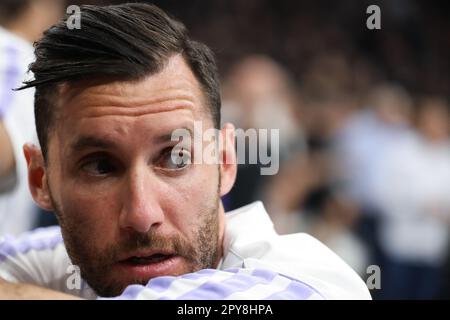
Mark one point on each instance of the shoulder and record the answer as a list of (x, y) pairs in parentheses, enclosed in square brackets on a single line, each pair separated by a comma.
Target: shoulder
[(39, 257), (305, 258), (32, 256), (38, 239), (251, 242)]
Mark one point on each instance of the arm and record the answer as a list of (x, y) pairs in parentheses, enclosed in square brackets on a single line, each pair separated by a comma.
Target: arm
[(236, 284), (33, 265), (7, 161), (12, 291), (211, 284)]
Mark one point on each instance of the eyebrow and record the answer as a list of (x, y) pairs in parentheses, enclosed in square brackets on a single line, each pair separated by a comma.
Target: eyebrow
[(168, 137), (92, 142), (85, 142)]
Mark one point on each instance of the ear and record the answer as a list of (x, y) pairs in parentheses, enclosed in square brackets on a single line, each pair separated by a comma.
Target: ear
[(37, 177), (228, 167)]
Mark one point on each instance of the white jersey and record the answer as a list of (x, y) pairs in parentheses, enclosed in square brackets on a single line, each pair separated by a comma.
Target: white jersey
[(17, 211), (257, 264)]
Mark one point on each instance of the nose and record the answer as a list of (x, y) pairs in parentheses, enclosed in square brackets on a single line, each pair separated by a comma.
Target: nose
[(141, 208)]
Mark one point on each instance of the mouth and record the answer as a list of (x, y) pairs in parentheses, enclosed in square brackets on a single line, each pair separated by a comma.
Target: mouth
[(154, 258), (149, 265)]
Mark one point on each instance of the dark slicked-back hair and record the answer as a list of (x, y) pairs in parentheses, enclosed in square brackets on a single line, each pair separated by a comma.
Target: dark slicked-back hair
[(119, 42)]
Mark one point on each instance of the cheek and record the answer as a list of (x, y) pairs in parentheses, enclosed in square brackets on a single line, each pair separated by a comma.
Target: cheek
[(90, 214), (187, 197)]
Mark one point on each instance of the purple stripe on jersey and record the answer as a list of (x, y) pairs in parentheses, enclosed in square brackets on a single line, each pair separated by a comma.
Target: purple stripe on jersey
[(239, 282), (294, 291), (268, 275), (12, 247), (130, 293), (12, 79), (220, 290), (161, 284)]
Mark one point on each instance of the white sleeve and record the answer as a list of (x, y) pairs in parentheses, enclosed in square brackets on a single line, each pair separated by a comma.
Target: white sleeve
[(31, 257), (230, 284), (40, 258)]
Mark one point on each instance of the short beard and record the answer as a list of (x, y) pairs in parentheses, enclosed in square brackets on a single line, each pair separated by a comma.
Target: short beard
[(204, 253)]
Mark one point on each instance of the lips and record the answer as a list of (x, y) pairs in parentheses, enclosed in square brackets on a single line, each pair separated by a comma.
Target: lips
[(147, 265), (155, 258), (146, 256)]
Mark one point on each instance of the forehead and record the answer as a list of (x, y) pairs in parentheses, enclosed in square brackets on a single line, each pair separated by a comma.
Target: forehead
[(173, 87), (156, 101)]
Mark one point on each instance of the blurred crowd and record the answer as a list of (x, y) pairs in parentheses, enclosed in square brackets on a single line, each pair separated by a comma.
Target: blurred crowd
[(364, 121)]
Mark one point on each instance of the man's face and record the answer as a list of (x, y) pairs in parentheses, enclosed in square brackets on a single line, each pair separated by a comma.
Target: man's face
[(127, 212)]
